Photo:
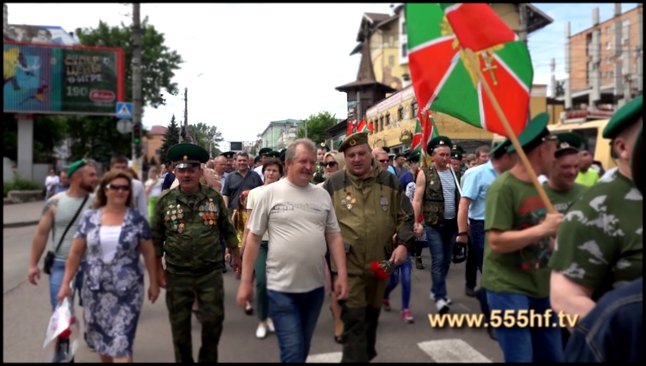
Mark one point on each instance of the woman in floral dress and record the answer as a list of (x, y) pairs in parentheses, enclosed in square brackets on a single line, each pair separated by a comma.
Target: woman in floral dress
[(114, 234)]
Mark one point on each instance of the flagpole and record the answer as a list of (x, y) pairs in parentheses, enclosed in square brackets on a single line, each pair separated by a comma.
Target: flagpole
[(512, 136)]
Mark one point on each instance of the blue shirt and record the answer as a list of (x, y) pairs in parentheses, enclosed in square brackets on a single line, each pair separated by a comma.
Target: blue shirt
[(406, 178), (475, 187)]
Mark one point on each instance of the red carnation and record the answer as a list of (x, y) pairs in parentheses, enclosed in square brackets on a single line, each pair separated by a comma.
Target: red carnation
[(382, 269)]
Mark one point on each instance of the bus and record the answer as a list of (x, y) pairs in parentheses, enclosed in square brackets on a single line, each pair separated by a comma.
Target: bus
[(591, 137)]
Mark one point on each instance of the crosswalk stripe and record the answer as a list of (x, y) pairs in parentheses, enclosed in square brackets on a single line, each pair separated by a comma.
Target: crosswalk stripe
[(332, 357), (452, 350)]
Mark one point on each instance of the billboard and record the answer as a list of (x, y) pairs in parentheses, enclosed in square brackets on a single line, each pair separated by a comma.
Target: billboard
[(52, 79), (40, 34)]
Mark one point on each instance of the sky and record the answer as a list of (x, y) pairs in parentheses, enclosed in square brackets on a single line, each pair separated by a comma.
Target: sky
[(249, 64)]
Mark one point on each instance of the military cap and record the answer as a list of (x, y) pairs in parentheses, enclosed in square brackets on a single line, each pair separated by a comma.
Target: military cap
[(257, 159), (353, 140), (414, 157), (400, 154), (438, 141), (457, 148), (568, 143), (637, 162), (282, 155), (186, 155), (323, 145), (386, 149), (501, 149), (534, 133), (456, 155), (407, 153), (228, 154), (264, 150), (75, 166), (273, 154), (623, 118)]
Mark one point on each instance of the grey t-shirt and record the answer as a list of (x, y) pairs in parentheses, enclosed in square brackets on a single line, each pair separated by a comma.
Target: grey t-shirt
[(297, 219), (65, 211)]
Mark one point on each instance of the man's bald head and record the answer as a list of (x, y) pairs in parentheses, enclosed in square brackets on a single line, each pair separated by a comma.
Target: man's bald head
[(378, 150)]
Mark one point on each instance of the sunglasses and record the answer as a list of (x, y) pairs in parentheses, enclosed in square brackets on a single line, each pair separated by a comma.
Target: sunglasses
[(329, 164), (384, 160), (118, 187)]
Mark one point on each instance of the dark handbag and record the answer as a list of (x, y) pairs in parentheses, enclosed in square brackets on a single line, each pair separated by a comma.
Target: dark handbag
[(48, 263)]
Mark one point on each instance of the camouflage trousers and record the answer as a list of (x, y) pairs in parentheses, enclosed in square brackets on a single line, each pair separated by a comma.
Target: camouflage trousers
[(180, 295)]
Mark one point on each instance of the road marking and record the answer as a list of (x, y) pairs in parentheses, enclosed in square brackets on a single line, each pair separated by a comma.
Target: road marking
[(464, 307), (332, 357), (452, 351)]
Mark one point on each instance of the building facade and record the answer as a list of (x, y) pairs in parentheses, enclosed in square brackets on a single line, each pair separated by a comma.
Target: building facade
[(606, 60), (153, 142), (279, 134)]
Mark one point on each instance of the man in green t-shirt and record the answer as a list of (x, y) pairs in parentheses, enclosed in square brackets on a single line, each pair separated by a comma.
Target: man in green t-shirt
[(561, 187), (599, 245), (517, 248)]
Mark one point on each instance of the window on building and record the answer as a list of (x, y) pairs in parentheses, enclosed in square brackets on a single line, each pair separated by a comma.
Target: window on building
[(391, 60), (391, 40), (404, 49), (400, 113), (625, 30), (608, 59), (387, 119), (381, 123), (608, 30), (415, 109), (608, 45), (608, 74)]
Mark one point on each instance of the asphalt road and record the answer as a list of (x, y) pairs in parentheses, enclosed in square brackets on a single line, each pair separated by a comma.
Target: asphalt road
[(26, 314)]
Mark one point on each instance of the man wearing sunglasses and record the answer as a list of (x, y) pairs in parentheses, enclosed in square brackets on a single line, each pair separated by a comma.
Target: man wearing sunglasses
[(186, 230), (518, 245)]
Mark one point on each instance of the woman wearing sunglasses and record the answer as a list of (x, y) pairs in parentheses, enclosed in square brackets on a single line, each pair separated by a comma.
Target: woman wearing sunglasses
[(333, 161), (112, 235)]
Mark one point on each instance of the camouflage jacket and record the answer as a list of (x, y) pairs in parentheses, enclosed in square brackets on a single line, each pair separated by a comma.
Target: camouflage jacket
[(187, 228), (319, 173)]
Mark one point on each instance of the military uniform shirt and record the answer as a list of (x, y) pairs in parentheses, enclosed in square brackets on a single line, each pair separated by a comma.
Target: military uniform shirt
[(599, 243), (191, 225)]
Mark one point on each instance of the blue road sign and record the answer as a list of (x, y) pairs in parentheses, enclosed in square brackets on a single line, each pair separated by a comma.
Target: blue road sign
[(124, 110)]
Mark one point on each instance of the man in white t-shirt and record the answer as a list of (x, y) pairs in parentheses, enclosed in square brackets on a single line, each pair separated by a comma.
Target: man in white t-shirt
[(300, 220)]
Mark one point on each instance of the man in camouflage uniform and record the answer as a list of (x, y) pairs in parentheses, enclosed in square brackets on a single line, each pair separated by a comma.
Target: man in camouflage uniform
[(186, 227), (319, 172), (600, 242)]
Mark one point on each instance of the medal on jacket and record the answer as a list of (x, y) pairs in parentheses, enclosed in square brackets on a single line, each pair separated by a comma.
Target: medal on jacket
[(384, 203), (348, 201)]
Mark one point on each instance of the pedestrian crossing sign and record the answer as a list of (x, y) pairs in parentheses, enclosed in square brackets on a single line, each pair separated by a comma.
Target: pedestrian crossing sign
[(124, 110)]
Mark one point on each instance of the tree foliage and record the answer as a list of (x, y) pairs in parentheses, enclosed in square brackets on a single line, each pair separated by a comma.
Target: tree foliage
[(171, 138), (316, 126), (207, 137), (158, 61), (49, 132), (97, 138)]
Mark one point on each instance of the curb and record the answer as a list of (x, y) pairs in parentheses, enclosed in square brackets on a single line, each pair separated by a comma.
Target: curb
[(19, 224)]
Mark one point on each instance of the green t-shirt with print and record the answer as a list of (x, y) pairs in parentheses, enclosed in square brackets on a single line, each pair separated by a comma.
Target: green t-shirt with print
[(562, 200), (599, 244), (512, 204)]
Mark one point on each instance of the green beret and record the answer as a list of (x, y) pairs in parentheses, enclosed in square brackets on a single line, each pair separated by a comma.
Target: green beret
[(74, 167), (186, 155), (228, 154), (636, 162), (501, 149), (386, 149), (257, 159), (623, 118), (456, 155), (568, 143), (282, 155), (273, 154), (323, 145), (414, 157), (264, 150), (533, 134), (356, 139), (400, 154), (438, 141)]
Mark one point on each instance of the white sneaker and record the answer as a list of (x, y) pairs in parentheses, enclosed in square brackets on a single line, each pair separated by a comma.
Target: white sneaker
[(432, 296), (270, 326), (448, 301), (442, 306), (261, 332)]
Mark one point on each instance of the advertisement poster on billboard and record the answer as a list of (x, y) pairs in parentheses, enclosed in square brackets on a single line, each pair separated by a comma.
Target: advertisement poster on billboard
[(49, 79)]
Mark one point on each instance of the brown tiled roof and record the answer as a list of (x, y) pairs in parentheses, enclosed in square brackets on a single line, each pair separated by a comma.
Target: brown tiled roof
[(157, 130)]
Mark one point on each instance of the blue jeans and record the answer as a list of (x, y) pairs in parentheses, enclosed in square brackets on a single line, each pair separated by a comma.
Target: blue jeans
[(393, 281), (56, 279), (440, 243), (537, 344), (475, 252), (294, 316)]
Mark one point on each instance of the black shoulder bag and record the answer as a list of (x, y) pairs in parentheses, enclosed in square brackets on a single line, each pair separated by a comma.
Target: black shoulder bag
[(49, 257)]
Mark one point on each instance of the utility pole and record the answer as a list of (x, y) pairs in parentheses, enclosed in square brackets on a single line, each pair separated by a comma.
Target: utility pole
[(522, 22), (186, 112), (137, 100)]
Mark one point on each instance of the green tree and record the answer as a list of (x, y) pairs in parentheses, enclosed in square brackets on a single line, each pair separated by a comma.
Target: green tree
[(171, 138), (207, 137), (316, 126), (158, 61), (97, 138), (49, 132)]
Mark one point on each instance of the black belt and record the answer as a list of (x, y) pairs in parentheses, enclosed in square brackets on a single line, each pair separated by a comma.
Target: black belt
[(476, 221)]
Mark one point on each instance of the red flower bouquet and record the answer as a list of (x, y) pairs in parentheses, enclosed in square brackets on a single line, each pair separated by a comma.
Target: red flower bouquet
[(382, 269)]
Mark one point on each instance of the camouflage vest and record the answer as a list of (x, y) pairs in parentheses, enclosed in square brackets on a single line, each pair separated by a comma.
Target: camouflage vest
[(433, 205), (319, 174)]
